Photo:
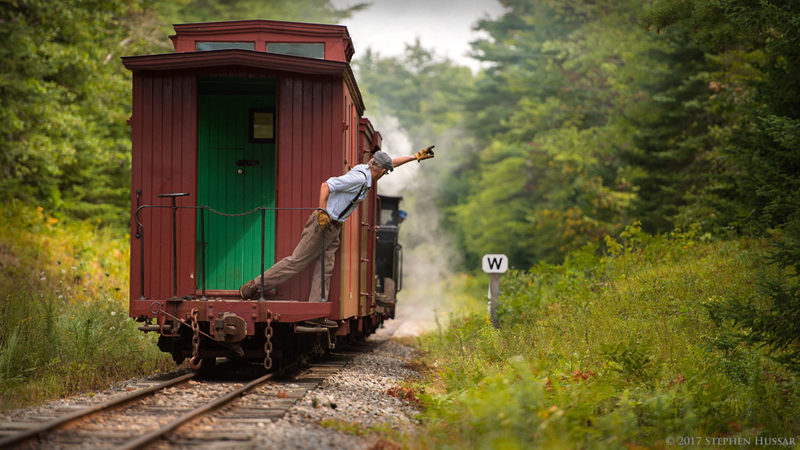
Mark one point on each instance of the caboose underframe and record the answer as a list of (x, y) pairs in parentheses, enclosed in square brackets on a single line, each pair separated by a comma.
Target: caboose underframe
[(241, 130)]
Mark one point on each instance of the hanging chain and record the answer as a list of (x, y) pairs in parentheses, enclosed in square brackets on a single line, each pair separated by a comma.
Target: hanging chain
[(268, 342), (194, 363)]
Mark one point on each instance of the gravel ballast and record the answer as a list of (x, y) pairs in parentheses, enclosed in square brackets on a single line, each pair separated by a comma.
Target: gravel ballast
[(363, 405), (356, 399)]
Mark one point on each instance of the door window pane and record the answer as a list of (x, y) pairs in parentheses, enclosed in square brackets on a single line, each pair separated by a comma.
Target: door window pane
[(262, 125)]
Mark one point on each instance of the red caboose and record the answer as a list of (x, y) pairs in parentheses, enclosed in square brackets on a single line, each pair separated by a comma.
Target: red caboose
[(232, 135)]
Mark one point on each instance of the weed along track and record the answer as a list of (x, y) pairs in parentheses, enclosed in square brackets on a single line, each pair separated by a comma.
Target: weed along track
[(186, 410)]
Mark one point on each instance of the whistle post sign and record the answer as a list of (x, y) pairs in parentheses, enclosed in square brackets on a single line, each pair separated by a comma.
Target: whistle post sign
[(495, 263)]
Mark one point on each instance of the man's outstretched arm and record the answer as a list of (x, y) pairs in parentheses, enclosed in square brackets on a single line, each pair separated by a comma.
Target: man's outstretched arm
[(397, 162), (425, 153)]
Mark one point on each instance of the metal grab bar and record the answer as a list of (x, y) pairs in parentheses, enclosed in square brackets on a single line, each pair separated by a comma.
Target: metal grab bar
[(202, 208)]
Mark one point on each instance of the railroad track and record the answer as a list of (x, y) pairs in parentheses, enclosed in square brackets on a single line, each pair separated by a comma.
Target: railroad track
[(183, 411)]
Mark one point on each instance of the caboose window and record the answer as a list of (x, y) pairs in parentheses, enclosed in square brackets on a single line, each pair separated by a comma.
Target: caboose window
[(205, 46), (304, 49), (262, 125)]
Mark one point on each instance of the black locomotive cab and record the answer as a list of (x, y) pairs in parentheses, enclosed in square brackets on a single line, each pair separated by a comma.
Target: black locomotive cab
[(388, 252)]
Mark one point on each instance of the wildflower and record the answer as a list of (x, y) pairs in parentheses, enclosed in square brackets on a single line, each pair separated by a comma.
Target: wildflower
[(545, 413)]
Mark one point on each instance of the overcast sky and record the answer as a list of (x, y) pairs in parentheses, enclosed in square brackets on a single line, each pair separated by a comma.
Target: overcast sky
[(444, 25)]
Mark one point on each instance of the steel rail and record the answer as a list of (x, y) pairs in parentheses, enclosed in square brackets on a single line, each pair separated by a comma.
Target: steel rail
[(77, 415), (189, 416)]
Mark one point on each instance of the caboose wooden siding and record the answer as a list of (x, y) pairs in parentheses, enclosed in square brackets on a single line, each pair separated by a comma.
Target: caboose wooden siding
[(368, 140), (164, 159), (309, 153), (317, 107)]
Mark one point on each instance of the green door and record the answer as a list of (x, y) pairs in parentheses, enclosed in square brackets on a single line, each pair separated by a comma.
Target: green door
[(236, 173)]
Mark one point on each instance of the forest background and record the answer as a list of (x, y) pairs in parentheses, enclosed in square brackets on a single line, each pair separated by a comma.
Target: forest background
[(590, 118), (589, 115)]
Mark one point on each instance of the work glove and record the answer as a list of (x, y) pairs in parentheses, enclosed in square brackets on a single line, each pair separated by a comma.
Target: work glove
[(425, 153), (323, 219)]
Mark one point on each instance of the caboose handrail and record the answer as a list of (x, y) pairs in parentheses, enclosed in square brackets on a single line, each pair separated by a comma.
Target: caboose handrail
[(202, 208)]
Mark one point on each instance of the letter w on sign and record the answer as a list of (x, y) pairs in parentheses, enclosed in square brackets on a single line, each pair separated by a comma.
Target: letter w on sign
[(495, 263)]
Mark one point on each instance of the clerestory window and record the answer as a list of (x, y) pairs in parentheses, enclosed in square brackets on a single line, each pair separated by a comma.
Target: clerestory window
[(205, 46), (304, 49)]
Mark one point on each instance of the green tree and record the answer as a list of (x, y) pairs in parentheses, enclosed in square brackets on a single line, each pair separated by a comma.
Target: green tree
[(65, 97), (186, 11), (551, 110), (673, 149), (63, 144), (756, 50)]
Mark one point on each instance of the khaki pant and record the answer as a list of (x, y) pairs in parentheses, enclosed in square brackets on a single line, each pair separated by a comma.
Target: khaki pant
[(307, 251)]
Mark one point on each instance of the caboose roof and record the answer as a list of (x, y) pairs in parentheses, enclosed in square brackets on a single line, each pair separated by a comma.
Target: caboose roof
[(246, 58), (339, 46)]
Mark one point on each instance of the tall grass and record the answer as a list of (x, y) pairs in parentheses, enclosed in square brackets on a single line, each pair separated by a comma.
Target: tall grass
[(609, 351), (64, 325)]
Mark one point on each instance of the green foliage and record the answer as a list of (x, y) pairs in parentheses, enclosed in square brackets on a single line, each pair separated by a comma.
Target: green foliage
[(673, 149), (773, 323), (62, 144), (65, 97), (64, 325), (590, 115), (551, 113), (755, 50), (608, 350), (187, 11)]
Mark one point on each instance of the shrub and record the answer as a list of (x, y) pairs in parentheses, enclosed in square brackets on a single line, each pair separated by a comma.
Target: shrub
[(774, 322), (608, 350), (64, 325)]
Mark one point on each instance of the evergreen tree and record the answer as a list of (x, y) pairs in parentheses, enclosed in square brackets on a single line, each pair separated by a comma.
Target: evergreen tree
[(671, 145), (756, 50), (771, 320)]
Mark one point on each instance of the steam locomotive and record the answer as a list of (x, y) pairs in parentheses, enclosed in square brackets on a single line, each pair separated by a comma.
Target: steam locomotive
[(231, 136)]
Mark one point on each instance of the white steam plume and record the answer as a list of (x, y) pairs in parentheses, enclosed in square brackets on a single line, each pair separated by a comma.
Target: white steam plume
[(429, 257)]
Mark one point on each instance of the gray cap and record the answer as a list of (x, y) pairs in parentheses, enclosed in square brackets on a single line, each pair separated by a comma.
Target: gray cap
[(383, 160)]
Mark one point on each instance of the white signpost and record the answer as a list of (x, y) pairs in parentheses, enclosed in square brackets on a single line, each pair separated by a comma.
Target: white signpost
[(494, 265)]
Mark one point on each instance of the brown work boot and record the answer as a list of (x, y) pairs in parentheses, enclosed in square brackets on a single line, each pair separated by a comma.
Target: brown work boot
[(249, 291)]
